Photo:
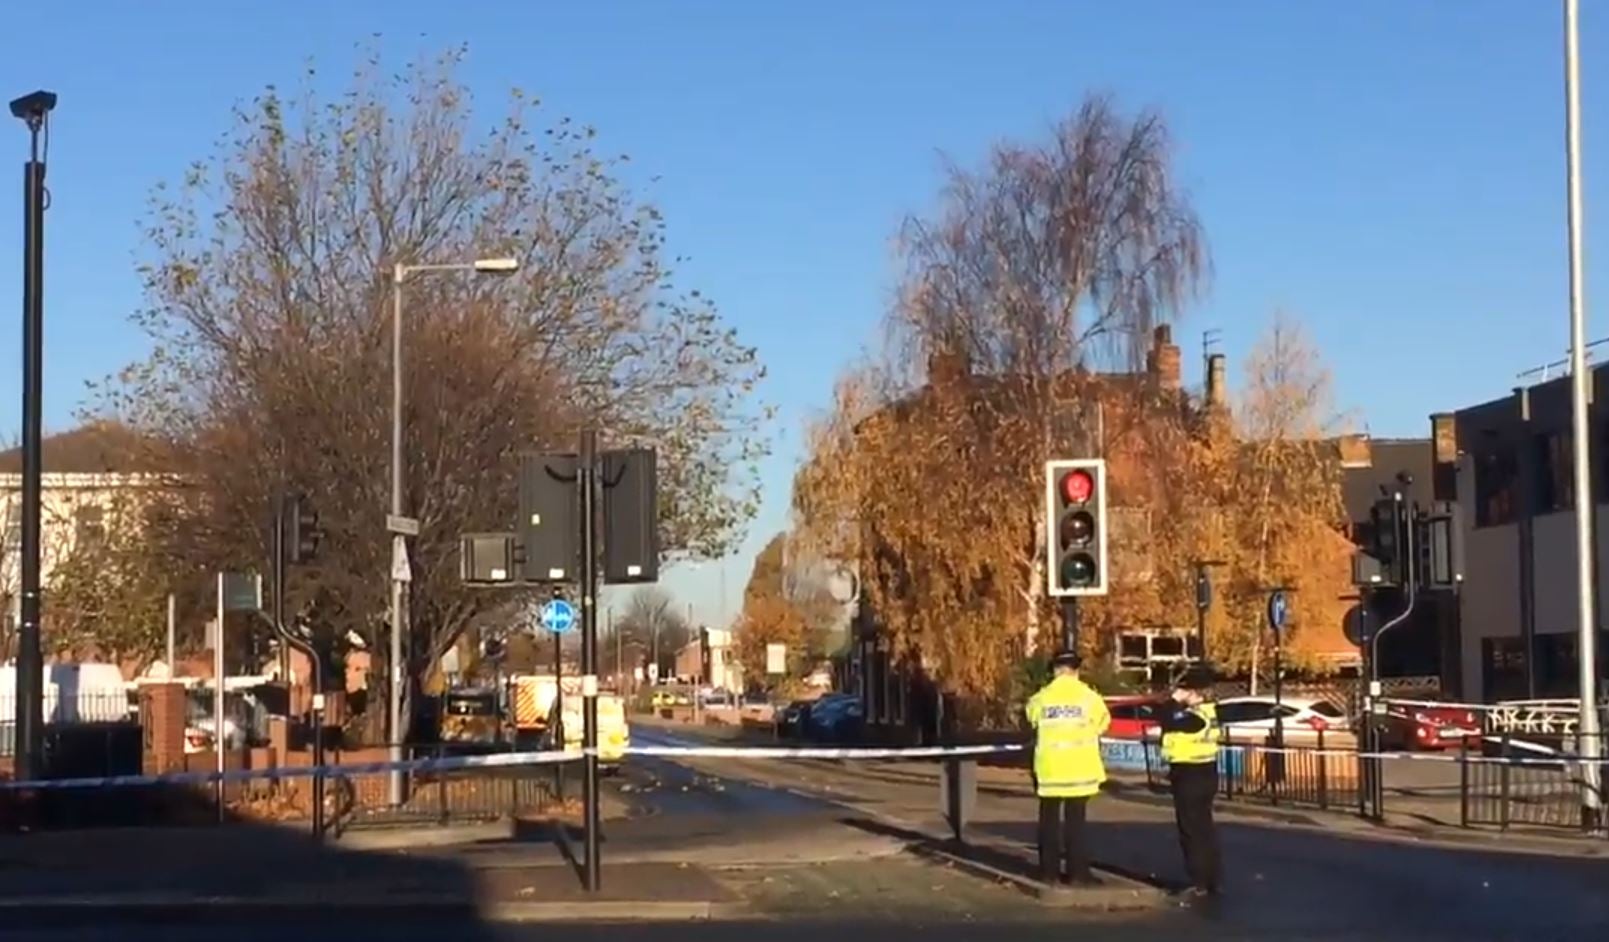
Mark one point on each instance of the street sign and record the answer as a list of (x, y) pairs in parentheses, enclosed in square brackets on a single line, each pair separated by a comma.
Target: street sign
[(1278, 610), (400, 570), (403, 526), (558, 616), (242, 591)]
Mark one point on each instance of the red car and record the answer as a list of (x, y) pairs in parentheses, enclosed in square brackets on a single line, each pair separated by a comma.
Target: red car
[(1422, 726), (1133, 716)]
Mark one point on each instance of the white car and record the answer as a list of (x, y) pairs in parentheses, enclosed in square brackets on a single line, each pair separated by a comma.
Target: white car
[(1300, 717)]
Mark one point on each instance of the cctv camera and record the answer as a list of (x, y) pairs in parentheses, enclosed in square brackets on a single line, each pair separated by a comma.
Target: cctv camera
[(33, 107)]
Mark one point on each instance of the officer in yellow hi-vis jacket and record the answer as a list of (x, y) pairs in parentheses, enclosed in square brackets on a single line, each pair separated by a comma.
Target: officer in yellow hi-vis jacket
[(1190, 747), (1068, 718)]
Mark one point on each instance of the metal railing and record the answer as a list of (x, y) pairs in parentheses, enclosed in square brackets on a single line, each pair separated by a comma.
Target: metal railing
[(1321, 775), (1533, 783), (458, 796)]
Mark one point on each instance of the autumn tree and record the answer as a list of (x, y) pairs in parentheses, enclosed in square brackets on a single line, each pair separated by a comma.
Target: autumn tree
[(268, 275), (1261, 491), (1050, 262), (779, 607)]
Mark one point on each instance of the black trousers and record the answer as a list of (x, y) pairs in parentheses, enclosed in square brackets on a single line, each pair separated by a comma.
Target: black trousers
[(1061, 836), (1194, 788)]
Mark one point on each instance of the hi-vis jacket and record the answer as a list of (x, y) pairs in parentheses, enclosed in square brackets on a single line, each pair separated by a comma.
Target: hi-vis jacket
[(1068, 718), (1192, 737)]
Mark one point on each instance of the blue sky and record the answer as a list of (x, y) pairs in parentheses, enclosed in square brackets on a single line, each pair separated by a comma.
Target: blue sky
[(1392, 171)]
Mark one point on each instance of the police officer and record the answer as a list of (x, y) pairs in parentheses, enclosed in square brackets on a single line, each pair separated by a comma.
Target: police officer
[(1190, 747), (1068, 718)]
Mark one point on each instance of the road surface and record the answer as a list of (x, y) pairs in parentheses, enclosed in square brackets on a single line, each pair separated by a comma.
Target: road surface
[(1284, 881)]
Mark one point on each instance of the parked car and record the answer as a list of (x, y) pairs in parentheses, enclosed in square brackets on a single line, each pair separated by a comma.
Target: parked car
[(1133, 716), (1301, 718), (1426, 727), (792, 718), (835, 718)]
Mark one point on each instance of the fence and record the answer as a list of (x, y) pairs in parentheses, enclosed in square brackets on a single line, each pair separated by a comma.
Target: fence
[(442, 797), (1534, 785), (1321, 775), (67, 709)]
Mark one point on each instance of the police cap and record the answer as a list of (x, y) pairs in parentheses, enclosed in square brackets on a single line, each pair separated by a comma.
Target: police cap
[(1199, 677), (1067, 659)]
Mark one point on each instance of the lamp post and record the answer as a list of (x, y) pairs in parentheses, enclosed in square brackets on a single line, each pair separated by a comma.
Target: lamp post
[(397, 526), (1586, 618), (34, 111)]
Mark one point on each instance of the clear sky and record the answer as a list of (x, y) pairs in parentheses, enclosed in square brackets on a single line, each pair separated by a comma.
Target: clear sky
[(1390, 171)]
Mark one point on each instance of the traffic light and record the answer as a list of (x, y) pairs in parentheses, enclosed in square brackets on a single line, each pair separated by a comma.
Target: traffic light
[(302, 533), (630, 516), (1075, 515), (1385, 537), (549, 530)]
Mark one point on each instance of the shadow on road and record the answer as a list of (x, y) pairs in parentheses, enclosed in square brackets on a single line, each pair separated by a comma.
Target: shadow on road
[(57, 874)]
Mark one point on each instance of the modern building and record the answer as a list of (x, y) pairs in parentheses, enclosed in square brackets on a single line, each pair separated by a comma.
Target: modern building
[(1508, 463)]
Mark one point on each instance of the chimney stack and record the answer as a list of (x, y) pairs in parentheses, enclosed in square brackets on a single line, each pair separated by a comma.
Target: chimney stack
[(1163, 360), (1356, 451), (1217, 381)]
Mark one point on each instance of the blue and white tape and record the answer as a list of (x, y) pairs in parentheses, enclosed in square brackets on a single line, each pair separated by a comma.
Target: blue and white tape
[(1111, 748)]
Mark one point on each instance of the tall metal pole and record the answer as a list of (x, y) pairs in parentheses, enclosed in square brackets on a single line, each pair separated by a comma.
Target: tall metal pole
[(219, 739), (398, 599), (587, 468), (1586, 617), (30, 662), (173, 630)]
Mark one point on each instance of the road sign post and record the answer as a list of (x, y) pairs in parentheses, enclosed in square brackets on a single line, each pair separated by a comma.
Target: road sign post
[(237, 592), (1278, 616)]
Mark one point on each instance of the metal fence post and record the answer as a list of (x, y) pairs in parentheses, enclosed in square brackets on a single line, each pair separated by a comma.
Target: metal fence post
[(1463, 781), (1503, 773), (1323, 774)]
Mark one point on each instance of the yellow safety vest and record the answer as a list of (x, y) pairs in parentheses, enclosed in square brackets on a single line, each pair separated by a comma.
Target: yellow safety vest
[(1194, 748), (1068, 719)]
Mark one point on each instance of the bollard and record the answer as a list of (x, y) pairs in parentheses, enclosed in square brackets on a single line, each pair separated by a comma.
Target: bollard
[(958, 795)]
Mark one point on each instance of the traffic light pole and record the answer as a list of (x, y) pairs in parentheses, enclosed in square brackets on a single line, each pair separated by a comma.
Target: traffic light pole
[(287, 640), (1069, 624), (587, 475)]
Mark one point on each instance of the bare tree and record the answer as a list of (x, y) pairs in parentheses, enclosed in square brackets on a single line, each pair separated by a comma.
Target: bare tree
[(268, 277), (1051, 260), (653, 623)]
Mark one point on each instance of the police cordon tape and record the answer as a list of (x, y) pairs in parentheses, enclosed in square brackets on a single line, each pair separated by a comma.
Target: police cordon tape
[(523, 759)]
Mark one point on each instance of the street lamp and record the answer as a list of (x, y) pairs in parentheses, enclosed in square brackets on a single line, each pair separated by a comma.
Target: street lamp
[(34, 111), (1586, 579), (398, 526)]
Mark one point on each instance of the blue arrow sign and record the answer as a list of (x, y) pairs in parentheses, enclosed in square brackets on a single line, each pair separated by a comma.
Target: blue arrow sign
[(1278, 610), (558, 616)]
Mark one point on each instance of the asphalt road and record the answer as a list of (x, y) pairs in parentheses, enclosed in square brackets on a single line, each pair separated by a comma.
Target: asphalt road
[(1284, 881)]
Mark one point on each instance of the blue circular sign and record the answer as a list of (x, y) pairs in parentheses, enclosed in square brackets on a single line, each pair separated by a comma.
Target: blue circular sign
[(1278, 611), (558, 616)]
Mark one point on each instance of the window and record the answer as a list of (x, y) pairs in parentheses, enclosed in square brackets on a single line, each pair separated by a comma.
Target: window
[(1126, 711), (1496, 481), (1554, 487), (90, 522), (1245, 712), (1328, 710), (1167, 646)]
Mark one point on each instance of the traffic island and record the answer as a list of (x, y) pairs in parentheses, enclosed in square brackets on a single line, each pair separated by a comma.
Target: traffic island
[(1008, 864)]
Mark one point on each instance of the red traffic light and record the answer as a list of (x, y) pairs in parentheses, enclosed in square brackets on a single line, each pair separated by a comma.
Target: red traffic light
[(1077, 487)]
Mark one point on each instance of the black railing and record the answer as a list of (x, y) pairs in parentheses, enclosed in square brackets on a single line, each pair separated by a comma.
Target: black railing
[(1319, 775), (1529, 781), (457, 796)]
